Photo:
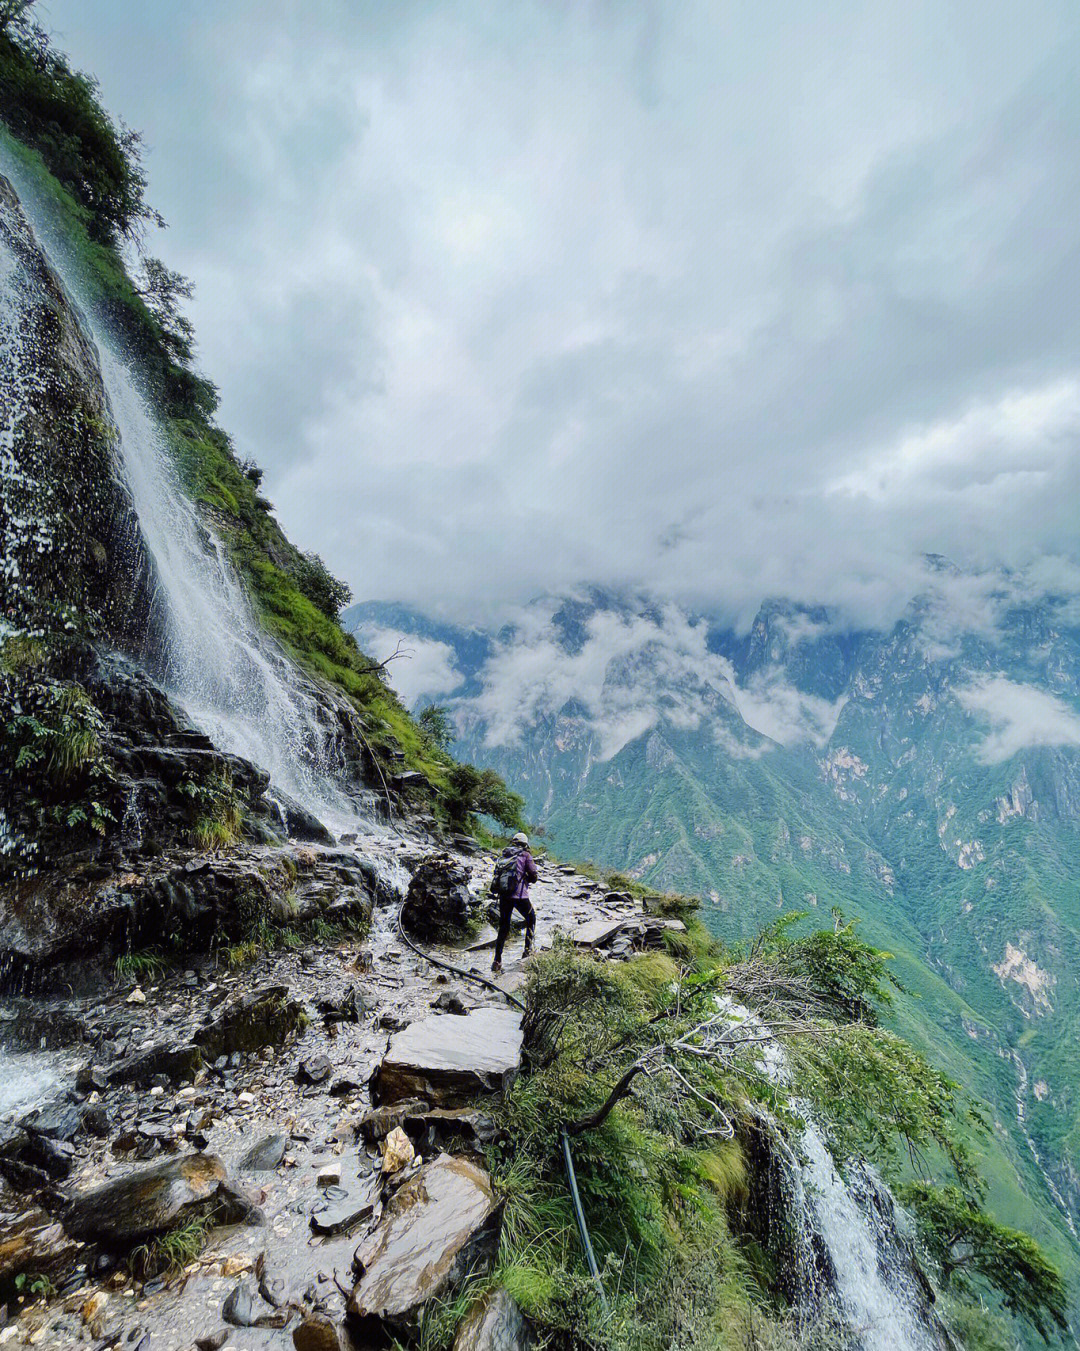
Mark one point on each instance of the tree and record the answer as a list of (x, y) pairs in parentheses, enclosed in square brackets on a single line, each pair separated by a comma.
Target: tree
[(475, 792), (436, 724), (162, 289), (320, 586), (967, 1243)]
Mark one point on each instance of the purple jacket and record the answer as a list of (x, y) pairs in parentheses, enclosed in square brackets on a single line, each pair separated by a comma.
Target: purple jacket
[(526, 873)]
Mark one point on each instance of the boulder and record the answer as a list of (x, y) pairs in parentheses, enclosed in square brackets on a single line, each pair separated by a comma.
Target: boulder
[(440, 1227), (316, 1333), (150, 1200), (267, 1016), (494, 1323), (438, 904), (449, 1059)]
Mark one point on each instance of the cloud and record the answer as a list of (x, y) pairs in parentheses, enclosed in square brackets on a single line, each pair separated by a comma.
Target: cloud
[(632, 671), (1018, 716), (670, 296), (426, 668)]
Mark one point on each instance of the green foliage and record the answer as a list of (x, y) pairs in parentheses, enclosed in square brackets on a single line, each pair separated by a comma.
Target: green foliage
[(324, 591), (53, 753), (967, 1244), (437, 725), (481, 792), (169, 1253), (35, 1283), (138, 965), (850, 978), (217, 810), (57, 111)]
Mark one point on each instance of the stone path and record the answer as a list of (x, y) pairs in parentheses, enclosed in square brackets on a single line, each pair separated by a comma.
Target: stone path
[(314, 1222)]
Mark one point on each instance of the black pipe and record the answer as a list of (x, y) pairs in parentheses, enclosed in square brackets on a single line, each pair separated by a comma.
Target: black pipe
[(579, 1215)]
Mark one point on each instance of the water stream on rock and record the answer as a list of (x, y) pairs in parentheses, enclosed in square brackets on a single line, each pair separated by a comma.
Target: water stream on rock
[(213, 658)]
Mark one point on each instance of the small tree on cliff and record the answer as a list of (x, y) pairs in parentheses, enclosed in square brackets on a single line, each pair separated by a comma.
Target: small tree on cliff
[(481, 792), (968, 1244)]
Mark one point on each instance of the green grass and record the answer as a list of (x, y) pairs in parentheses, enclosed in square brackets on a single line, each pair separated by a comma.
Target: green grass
[(169, 1253), (137, 966)]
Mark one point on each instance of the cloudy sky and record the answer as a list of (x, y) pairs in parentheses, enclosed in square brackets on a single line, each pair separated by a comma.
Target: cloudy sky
[(719, 299)]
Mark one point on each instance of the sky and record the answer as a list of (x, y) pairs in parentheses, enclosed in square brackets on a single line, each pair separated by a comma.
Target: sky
[(718, 300)]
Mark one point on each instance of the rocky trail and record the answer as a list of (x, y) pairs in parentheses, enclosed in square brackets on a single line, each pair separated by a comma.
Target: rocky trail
[(319, 1115)]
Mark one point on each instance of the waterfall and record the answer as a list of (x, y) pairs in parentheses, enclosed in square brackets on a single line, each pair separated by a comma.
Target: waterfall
[(849, 1257), (208, 650)]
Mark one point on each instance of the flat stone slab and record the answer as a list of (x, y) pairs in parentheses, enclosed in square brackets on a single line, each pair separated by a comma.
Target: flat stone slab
[(451, 1058), (438, 1228), (598, 931), (147, 1201)]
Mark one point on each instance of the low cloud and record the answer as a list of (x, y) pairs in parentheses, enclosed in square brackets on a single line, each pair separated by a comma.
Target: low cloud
[(1018, 717), (508, 299)]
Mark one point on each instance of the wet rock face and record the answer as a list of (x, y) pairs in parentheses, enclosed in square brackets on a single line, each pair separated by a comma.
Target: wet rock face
[(494, 1323), (441, 1225), (31, 1243), (59, 471), (438, 903), (450, 1059), (150, 1200)]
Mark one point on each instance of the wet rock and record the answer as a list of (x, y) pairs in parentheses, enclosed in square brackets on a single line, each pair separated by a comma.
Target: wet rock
[(91, 1079), (265, 1155), (147, 1201), (346, 1008), (450, 1059), (449, 1002), (32, 1243), (494, 1323), (300, 823), (344, 1208), (60, 1119), (442, 1225), (267, 1016), (376, 1125), (438, 903), (398, 1152), (166, 1059), (95, 1120), (315, 1070), (344, 1087), (445, 1127), (213, 1341), (242, 1306), (316, 1333)]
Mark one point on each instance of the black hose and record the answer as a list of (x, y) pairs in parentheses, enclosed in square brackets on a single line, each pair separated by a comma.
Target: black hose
[(457, 970)]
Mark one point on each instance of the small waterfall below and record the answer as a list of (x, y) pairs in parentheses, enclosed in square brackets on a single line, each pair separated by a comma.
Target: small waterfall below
[(205, 645), (848, 1255)]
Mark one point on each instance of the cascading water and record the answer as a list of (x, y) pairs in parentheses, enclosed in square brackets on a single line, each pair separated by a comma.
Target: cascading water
[(850, 1261), (233, 682)]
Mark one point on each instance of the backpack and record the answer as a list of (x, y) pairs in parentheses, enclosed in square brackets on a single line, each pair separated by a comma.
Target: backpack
[(507, 875)]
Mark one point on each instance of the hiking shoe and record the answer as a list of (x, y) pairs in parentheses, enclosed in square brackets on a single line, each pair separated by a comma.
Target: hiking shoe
[(496, 968), (526, 953)]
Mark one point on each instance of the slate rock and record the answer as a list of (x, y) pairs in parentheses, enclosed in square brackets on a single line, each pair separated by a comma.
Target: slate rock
[(241, 1307), (440, 1226), (450, 1059), (342, 1209), (147, 1201), (32, 1242), (264, 1155), (316, 1333), (315, 1070), (439, 903), (376, 1125), (494, 1323), (56, 1120)]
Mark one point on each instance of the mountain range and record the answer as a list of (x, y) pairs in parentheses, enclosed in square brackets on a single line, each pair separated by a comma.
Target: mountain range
[(923, 777)]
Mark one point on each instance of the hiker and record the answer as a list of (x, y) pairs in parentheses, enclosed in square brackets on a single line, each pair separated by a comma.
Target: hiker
[(514, 871)]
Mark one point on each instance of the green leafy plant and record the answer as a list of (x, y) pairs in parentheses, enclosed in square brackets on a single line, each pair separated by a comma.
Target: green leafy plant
[(169, 1253), (437, 725), (969, 1246), (217, 810)]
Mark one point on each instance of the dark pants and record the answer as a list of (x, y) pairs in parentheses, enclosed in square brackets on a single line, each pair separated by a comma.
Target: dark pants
[(507, 906)]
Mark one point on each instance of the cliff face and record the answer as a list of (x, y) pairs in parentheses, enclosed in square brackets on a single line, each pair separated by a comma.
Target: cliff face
[(69, 539)]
